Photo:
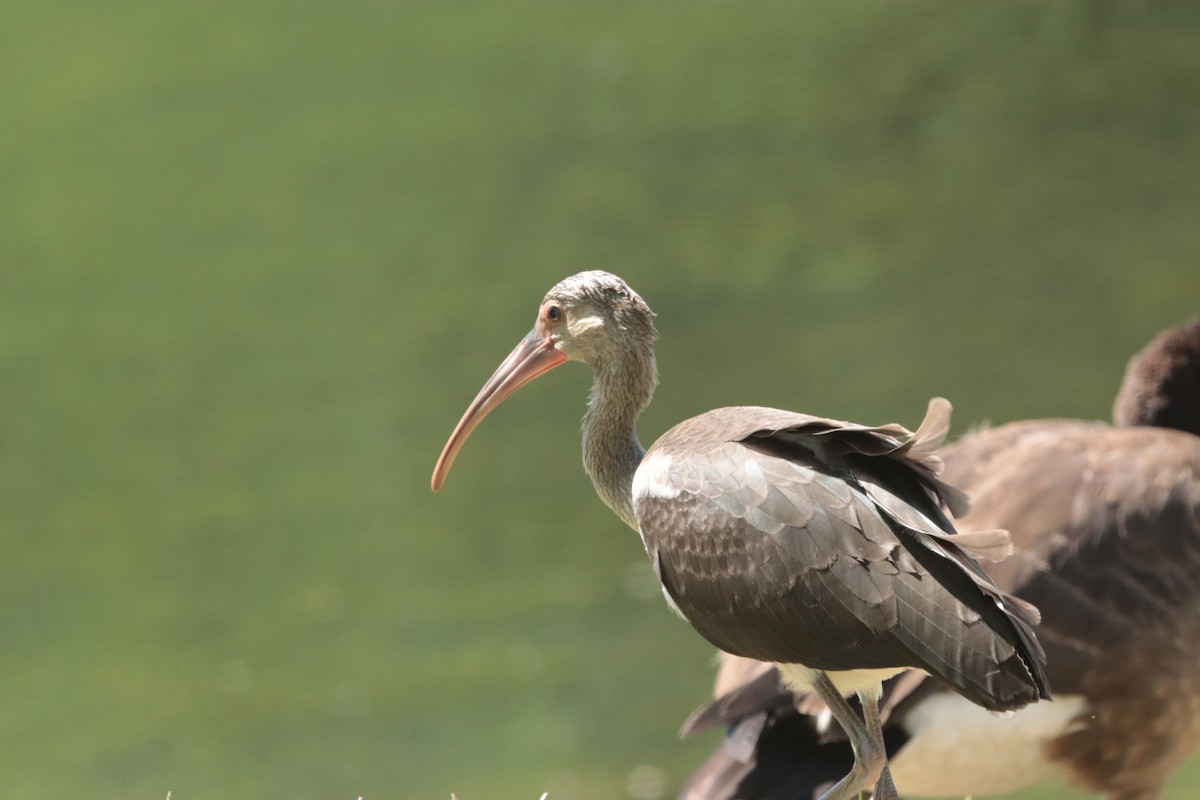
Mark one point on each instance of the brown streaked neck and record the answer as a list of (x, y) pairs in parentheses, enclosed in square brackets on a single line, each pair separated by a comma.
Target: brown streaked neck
[(621, 389)]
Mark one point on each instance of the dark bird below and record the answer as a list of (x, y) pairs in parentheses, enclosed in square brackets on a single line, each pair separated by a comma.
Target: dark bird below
[(1106, 530), (820, 546)]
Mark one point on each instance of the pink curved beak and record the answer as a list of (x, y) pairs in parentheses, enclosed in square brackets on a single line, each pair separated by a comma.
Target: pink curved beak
[(534, 356)]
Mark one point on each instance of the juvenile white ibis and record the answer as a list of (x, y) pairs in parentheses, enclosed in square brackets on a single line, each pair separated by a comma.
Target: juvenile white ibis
[(818, 545), (1106, 526)]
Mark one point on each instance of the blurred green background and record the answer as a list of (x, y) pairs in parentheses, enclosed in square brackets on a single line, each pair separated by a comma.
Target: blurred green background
[(257, 256)]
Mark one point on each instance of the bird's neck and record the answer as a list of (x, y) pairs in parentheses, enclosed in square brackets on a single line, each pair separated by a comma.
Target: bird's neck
[(611, 450)]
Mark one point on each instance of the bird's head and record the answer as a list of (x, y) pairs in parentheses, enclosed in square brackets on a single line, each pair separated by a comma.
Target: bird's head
[(1162, 382), (593, 317)]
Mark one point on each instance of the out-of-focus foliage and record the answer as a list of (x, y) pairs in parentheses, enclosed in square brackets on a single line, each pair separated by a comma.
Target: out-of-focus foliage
[(255, 258)]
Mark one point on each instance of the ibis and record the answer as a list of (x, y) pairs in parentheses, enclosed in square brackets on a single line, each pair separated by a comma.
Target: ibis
[(1106, 528), (821, 546)]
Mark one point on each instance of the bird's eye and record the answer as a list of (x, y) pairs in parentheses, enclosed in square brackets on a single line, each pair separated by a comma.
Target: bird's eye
[(554, 313)]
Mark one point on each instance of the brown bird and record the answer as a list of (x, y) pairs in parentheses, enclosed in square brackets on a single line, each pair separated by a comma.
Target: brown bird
[(818, 545), (1106, 526)]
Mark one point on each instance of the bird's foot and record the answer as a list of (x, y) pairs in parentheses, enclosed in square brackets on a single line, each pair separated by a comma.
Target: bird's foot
[(861, 779), (885, 788)]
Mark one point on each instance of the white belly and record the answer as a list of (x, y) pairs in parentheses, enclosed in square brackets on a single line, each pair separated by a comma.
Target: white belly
[(799, 678), (958, 748)]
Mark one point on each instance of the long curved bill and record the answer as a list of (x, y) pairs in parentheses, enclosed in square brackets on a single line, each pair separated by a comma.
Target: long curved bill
[(534, 356)]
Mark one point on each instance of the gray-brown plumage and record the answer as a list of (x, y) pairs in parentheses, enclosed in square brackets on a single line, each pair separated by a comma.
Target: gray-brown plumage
[(1106, 528), (820, 545), (830, 533)]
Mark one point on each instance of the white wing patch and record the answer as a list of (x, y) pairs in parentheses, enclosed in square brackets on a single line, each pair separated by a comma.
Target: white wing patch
[(653, 479)]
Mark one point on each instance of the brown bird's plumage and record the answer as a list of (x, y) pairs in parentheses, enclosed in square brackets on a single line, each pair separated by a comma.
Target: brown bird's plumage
[(820, 545), (1106, 529)]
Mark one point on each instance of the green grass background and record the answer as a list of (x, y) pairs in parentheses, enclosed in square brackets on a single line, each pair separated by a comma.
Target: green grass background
[(256, 256)]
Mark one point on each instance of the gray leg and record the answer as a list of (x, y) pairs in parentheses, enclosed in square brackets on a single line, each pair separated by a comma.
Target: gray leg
[(885, 789), (869, 755)]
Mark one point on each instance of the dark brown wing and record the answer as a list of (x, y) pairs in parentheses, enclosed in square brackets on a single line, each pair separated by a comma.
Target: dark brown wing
[(794, 539), (791, 763)]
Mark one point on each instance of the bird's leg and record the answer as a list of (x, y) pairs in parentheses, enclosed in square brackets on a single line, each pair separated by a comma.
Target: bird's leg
[(885, 788), (869, 755)]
